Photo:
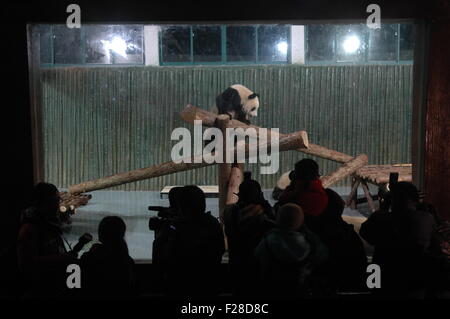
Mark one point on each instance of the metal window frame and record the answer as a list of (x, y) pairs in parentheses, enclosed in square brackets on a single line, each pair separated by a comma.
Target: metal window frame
[(366, 59), (224, 58), (82, 48)]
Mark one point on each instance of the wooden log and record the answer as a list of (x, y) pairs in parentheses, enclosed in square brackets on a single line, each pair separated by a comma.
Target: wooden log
[(356, 221), (365, 188), (345, 170), (354, 198), (286, 142), (192, 113), (326, 153), (69, 202), (224, 168), (353, 192), (235, 180), (401, 178)]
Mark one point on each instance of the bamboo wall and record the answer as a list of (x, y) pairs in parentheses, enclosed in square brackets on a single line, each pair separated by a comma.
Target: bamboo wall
[(100, 121)]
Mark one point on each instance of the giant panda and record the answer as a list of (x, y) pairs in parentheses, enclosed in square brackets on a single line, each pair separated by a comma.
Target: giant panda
[(239, 102)]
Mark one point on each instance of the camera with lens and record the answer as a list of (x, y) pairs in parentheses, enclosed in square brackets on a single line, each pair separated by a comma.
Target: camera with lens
[(82, 241), (166, 216)]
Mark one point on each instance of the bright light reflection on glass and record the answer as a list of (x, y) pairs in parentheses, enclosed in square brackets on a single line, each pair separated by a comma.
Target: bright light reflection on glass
[(282, 47), (351, 44), (117, 44)]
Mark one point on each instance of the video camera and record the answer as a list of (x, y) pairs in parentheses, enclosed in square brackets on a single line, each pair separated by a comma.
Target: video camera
[(166, 216), (82, 241), (384, 192), (163, 212)]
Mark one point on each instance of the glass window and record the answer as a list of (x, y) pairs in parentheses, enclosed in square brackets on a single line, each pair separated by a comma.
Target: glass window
[(406, 41), (350, 43), (320, 43), (225, 44), (126, 44), (241, 44), (98, 44), (273, 45), (45, 43), (383, 43), (67, 45), (176, 44), (207, 43)]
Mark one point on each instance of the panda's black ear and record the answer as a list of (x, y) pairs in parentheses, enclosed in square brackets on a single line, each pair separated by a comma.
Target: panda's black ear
[(252, 96)]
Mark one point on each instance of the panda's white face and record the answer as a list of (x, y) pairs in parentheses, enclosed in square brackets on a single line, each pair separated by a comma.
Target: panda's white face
[(249, 100), (251, 107)]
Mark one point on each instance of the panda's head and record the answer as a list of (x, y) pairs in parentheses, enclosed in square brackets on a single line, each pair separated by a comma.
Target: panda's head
[(249, 101), (239, 102)]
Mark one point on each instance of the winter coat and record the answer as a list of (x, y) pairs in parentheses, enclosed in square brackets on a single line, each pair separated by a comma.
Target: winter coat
[(287, 259), (244, 228), (309, 195)]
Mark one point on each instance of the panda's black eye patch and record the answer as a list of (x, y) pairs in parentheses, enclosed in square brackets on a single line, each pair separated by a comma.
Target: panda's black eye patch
[(252, 96), (253, 109)]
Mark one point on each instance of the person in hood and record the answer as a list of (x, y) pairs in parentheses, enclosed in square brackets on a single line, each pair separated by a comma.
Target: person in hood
[(306, 189), (288, 255), (246, 222), (42, 255)]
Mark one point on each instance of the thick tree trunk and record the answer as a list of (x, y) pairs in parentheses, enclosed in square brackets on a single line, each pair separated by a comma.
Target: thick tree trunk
[(286, 142), (345, 170), (326, 153), (365, 188), (224, 168), (236, 178), (353, 196), (192, 113)]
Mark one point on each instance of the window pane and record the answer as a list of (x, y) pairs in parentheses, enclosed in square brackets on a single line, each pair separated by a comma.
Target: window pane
[(126, 44), (176, 44), (67, 45), (241, 44), (321, 42), (351, 43), (273, 43), (98, 44), (207, 44), (45, 43), (406, 41), (383, 43)]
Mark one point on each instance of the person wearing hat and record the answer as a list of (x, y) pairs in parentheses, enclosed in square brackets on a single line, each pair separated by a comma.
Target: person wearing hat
[(41, 254), (246, 222), (306, 189)]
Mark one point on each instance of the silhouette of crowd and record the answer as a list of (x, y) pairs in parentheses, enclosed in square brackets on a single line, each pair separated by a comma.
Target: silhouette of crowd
[(300, 248)]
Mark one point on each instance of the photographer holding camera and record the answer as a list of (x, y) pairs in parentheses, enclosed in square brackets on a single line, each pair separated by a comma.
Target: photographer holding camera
[(405, 243), (162, 225), (189, 245), (166, 215)]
